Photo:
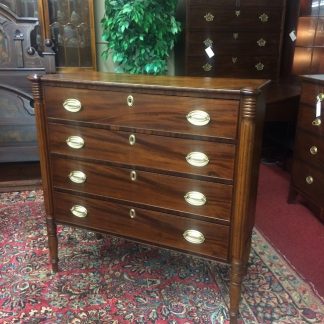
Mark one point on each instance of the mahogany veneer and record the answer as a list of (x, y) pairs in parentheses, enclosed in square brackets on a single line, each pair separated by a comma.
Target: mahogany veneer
[(168, 161)]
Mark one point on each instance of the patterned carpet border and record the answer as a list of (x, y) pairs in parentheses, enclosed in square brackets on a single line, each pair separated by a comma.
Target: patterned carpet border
[(116, 281)]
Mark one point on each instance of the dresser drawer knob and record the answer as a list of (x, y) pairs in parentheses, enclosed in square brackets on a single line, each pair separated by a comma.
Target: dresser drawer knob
[(194, 236), (197, 159), (264, 18), (262, 42), (313, 150), (132, 213), (79, 211), (195, 198), (132, 139), (209, 17), (207, 67), (72, 105), (77, 177), (133, 175), (75, 142), (130, 101), (198, 118), (309, 179), (259, 66), (317, 122)]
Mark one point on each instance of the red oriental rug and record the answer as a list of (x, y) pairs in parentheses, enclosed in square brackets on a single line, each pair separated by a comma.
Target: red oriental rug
[(112, 280)]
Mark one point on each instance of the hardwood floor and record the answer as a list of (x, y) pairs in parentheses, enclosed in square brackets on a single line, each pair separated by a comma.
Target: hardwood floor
[(19, 176)]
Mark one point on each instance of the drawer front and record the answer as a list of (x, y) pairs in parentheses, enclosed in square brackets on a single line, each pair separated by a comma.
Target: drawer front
[(149, 189), (229, 43), (234, 3), (309, 148), (144, 225), (231, 66), (244, 18), (307, 120), (309, 180), (211, 159), (310, 92), (148, 112)]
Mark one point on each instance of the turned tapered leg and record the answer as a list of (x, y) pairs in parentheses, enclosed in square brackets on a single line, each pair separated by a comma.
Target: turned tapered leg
[(52, 243), (237, 272)]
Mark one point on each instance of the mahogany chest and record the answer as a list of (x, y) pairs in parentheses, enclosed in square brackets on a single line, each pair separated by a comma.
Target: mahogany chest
[(167, 161), (307, 176), (237, 38)]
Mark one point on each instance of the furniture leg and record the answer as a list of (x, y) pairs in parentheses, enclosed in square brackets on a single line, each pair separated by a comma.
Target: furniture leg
[(237, 271), (52, 243)]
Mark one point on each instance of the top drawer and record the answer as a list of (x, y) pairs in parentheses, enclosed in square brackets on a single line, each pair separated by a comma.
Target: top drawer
[(311, 92), (130, 111)]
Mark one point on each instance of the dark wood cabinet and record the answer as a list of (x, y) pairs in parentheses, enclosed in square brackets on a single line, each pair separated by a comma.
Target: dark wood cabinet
[(241, 38), (168, 161), (307, 178)]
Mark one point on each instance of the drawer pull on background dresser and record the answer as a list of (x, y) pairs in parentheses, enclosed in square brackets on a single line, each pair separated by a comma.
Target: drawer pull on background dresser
[(132, 139), (209, 17), (133, 175), (194, 236), (309, 179), (195, 198), (313, 150), (317, 122), (130, 101), (197, 159), (261, 42), (72, 105), (264, 18), (79, 211), (259, 66), (198, 118), (75, 142), (77, 177), (132, 213)]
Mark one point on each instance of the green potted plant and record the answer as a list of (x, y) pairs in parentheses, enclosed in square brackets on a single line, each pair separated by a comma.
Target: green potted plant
[(140, 34)]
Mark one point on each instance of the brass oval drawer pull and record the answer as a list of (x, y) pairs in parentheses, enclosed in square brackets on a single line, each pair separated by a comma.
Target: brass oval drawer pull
[(197, 159), (79, 211), (75, 142), (130, 101), (309, 179), (198, 118), (132, 139), (317, 122), (77, 177), (313, 150), (132, 213), (194, 236), (195, 198), (72, 105), (133, 175), (264, 18), (320, 97)]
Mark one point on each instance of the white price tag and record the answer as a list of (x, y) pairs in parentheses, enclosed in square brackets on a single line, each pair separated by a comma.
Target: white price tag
[(209, 52), (292, 35), (318, 107)]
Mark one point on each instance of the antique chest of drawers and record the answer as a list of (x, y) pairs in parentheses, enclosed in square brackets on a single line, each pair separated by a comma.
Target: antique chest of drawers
[(167, 161), (236, 38), (307, 176)]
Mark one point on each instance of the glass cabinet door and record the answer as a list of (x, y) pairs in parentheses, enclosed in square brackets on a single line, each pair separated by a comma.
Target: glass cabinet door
[(69, 24), (22, 8)]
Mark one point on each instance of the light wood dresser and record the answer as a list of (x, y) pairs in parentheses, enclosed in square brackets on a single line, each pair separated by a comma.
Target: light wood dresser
[(167, 161), (307, 178)]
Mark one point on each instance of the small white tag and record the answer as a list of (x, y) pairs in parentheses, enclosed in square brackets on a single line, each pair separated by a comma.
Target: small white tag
[(292, 36), (318, 108), (209, 52)]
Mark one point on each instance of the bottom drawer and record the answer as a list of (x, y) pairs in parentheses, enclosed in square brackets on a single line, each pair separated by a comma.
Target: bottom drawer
[(207, 239), (309, 181)]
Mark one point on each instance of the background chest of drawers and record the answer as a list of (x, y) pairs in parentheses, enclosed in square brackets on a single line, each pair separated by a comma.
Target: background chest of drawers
[(168, 161), (308, 165), (245, 37)]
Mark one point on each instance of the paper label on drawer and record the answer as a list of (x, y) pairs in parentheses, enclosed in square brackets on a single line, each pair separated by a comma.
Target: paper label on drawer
[(209, 52), (292, 35), (318, 108)]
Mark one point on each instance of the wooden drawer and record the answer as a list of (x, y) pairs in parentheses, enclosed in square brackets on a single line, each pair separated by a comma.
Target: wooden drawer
[(149, 189), (148, 113), (229, 43), (309, 148), (146, 226), (212, 17), (307, 120), (232, 3), (309, 94), (245, 66), (148, 151), (301, 173)]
